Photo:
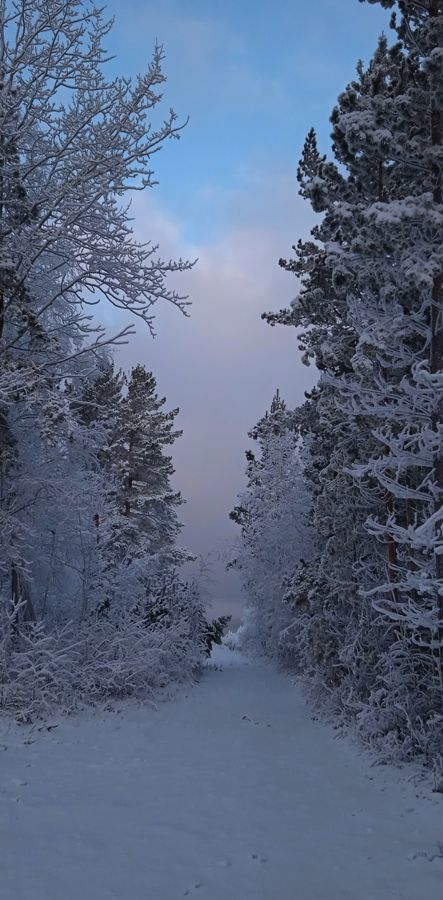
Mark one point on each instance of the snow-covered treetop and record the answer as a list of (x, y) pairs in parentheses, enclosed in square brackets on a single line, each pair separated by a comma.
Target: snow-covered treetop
[(74, 143)]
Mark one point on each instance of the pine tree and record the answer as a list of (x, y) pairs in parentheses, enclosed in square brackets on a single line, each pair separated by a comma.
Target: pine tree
[(410, 414), (372, 428), (273, 534), (138, 533), (146, 500)]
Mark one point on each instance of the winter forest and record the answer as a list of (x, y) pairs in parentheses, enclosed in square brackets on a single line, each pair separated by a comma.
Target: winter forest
[(338, 527), (93, 604), (342, 542)]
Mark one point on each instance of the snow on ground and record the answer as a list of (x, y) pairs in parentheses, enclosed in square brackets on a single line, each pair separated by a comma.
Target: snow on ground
[(230, 792)]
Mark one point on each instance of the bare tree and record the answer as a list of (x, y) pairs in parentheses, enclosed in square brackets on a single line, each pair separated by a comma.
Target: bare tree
[(74, 144)]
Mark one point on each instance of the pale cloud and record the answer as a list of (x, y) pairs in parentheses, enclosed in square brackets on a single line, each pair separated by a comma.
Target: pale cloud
[(222, 365), (253, 78)]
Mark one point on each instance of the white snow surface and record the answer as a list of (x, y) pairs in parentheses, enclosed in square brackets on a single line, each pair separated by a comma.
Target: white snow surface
[(229, 792)]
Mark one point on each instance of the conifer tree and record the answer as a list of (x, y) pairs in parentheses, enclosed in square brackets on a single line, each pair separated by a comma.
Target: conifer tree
[(368, 611), (146, 500), (138, 533), (274, 535), (409, 330)]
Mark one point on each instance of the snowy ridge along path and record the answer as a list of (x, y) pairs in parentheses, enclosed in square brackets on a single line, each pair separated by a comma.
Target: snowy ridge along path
[(230, 792)]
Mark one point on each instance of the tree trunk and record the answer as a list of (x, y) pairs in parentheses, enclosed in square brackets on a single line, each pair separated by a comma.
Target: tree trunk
[(436, 360), (20, 594)]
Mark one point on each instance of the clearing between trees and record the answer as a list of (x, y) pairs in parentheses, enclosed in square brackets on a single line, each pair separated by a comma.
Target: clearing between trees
[(230, 791)]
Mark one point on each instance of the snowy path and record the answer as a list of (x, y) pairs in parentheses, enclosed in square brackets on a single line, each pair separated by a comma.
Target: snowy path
[(196, 800)]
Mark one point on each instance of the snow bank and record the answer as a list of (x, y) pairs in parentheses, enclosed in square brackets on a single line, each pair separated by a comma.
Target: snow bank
[(232, 791)]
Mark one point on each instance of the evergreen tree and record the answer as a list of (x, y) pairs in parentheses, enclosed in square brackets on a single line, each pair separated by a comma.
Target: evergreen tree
[(273, 534), (147, 503), (368, 610)]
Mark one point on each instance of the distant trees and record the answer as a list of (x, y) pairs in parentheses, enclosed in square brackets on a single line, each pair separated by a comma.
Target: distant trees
[(367, 604), (142, 529), (88, 520), (274, 534)]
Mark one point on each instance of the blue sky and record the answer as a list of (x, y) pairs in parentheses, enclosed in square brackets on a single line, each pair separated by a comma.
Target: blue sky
[(253, 78)]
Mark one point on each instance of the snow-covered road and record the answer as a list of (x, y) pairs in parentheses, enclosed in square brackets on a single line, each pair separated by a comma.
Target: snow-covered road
[(229, 793)]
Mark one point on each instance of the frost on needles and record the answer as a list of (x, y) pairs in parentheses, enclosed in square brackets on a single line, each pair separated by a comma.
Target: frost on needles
[(362, 615)]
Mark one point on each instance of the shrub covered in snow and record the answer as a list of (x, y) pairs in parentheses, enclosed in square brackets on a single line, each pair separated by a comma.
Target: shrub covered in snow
[(131, 652)]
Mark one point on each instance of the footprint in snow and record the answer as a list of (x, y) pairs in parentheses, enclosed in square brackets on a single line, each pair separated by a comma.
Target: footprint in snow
[(194, 887), (259, 857), (423, 854), (18, 782), (253, 722)]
